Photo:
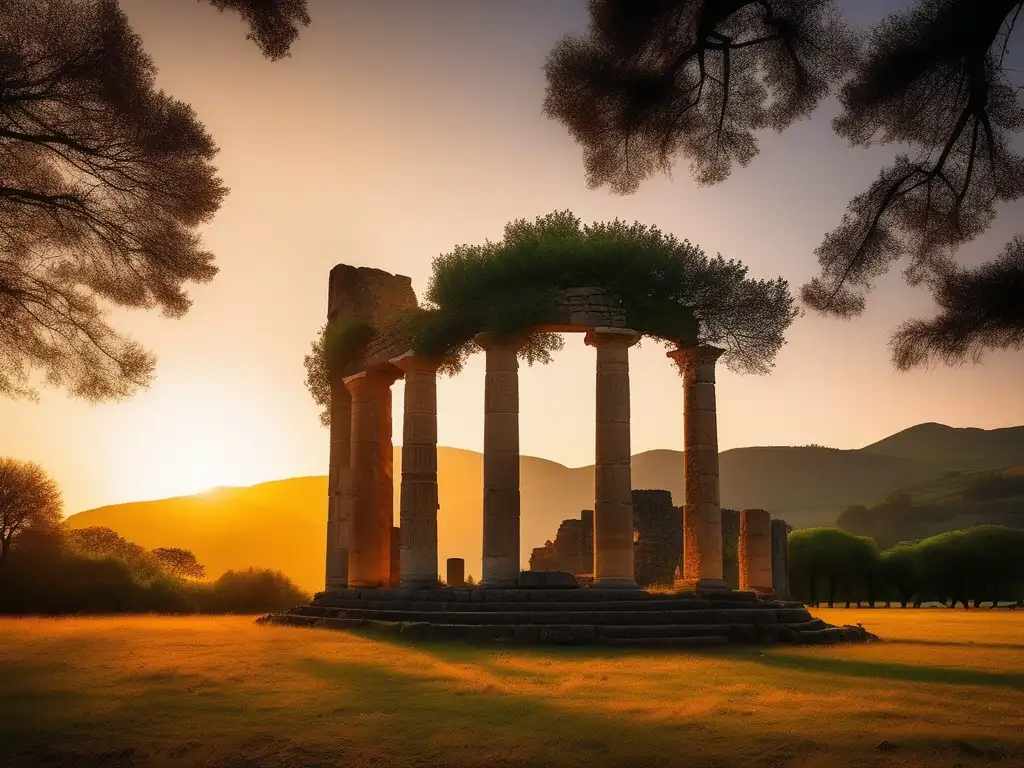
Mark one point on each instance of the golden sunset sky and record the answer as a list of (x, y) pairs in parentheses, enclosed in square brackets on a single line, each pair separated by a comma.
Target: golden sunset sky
[(398, 130)]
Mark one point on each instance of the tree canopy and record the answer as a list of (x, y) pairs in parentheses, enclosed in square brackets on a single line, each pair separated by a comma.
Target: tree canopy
[(104, 181), (654, 80), (29, 500)]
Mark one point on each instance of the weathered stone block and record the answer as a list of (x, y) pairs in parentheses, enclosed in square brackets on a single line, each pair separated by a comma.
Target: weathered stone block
[(548, 580)]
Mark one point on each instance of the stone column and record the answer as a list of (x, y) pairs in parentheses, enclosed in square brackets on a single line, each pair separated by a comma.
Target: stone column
[(395, 539), (386, 499), (755, 552), (339, 490), (501, 461), (366, 566), (419, 499), (780, 559), (613, 502), (702, 514)]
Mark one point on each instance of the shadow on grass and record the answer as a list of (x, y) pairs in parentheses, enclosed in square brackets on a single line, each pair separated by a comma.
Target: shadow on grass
[(889, 671), (960, 644), (441, 720)]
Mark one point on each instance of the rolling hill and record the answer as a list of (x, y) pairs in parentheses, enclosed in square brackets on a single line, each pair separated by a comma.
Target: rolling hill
[(955, 448), (281, 524)]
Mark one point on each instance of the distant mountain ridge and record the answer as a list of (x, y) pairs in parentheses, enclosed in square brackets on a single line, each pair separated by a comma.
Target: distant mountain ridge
[(282, 524), (955, 448)]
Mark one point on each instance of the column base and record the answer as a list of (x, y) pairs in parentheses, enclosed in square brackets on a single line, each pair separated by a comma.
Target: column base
[(418, 584), (703, 585), (366, 585), (333, 584), (612, 582)]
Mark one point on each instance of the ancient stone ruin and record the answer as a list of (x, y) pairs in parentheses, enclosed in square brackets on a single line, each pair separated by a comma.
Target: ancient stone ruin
[(657, 546), (631, 536)]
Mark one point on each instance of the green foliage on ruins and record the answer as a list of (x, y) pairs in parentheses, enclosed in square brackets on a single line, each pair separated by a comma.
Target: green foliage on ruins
[(336, 347), (668, 290)]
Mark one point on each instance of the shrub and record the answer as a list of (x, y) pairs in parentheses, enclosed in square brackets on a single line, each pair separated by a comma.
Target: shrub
[(250, 591)]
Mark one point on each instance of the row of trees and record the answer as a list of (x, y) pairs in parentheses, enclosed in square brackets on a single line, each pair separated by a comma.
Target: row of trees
[(47, 568), (982, 564)]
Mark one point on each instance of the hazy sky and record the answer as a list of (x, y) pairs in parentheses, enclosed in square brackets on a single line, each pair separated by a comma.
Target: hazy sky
[(398, 130)]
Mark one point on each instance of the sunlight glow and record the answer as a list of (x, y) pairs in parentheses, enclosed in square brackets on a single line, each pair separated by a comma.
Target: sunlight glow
[(190, 440)]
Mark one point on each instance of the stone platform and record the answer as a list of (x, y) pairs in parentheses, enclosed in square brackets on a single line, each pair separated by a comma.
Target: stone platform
[(588, 616)]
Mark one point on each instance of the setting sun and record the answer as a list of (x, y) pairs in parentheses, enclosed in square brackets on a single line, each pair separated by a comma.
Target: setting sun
[(196, 439)]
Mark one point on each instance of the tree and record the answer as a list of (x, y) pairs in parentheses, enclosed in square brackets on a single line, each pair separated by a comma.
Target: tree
[(179, 562), (104, 181), (831, 558), (886, 523), (29, 500), (655, 79), (900, 571), (101, 543)]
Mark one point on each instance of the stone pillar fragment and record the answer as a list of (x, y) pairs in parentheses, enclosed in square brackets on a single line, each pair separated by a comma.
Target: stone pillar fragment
[(730, 547), (587, 534), (501, 461), (386, 499), (395, 539), (369, 390), (456, 572), (419, 496), (339, 490), (702, 515), (613, 502), (780, 559), (755, 552)]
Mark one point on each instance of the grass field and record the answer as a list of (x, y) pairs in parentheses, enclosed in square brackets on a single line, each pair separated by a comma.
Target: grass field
[(224, 692)]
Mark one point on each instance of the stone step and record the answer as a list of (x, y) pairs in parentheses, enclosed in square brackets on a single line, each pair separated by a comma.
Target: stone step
[(698, 641), (638, 605), (714, 617), (459, 595)]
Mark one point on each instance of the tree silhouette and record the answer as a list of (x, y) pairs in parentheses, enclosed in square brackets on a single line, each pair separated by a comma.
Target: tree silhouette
[(179, 562), (273, 24), (29, 499), (654, 79), (103, 183)]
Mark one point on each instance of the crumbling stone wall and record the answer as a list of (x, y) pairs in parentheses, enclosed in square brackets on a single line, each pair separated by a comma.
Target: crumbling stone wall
[(544, 558), (657, 526), (567, 552), (376, 298), (589, 308), (587, 541), (371, 295)]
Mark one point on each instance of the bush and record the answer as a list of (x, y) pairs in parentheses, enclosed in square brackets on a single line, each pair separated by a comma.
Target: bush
[(831, 561), (48, 574), (250, 591)]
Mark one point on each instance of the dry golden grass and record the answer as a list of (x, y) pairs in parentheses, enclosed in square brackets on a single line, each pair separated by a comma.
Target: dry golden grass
[(222, 691)]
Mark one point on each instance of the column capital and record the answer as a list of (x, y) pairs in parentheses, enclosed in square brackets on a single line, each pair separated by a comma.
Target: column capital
[(411, 362), (383, 377), (599, 336), (487, 340), (687, 357)]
